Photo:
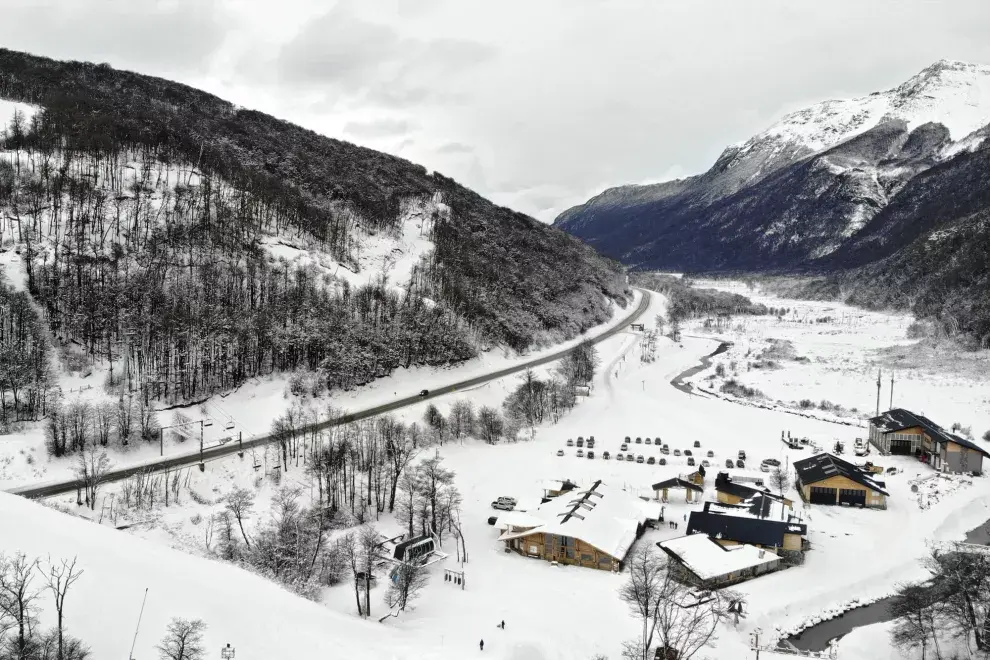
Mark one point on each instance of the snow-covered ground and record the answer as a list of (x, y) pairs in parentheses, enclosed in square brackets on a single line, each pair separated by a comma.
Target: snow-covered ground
[(832, 352), (556, 612)]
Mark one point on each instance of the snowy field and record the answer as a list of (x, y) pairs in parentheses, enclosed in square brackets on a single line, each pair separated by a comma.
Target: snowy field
[(557, 612), (837, 361)]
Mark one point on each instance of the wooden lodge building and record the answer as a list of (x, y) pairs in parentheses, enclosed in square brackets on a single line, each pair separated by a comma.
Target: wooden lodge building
[(699, 560), (901, 431), (730, 491), (827, 479), (761, 522), (593, 527)]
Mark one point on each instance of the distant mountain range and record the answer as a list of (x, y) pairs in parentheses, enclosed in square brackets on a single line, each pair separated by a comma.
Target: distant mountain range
[(889, 193)]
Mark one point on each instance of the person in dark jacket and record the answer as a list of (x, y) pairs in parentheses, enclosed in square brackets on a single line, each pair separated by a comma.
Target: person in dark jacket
[(482, 645), (503, 624)]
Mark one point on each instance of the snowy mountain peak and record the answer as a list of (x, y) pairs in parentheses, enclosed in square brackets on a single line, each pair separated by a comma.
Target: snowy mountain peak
[(949, 92)]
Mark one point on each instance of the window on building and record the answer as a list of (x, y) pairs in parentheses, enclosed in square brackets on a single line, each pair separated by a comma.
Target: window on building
[(534, 550), (588, 559), (570, 553)]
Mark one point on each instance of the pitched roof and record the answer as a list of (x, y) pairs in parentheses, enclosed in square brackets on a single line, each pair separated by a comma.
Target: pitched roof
[(722, 522), (899, 419), (677, 482), (825, 466), (600, 515), (708, 559)]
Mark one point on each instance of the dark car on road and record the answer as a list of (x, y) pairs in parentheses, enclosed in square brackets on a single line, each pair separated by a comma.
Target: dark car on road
[(424, 393)]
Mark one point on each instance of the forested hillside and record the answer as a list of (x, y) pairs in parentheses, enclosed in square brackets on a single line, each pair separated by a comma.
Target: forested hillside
[(146, 213)]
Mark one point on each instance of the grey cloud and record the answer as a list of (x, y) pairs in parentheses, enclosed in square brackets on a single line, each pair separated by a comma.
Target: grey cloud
[(374, 61), (377, 128), (455, 148), (151, 36)]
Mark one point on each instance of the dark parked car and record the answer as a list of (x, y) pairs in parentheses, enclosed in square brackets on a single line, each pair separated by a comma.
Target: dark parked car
[(639, 441), (424, 393), (697, 443), (740, 464), (580, 442), (630, 457), (591, 454), (605, 456), (691, 460), (663, 461), (687, 452), (711, 454), (647, 442), (665, 449), (652, 460), (492, 520), (728, 462)]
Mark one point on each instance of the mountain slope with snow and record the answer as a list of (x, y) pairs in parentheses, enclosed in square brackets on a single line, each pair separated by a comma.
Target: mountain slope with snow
[(255, 616), (838, 185)]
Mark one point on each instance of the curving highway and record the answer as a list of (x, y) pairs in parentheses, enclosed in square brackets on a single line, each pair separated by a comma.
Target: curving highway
[(220, 451)]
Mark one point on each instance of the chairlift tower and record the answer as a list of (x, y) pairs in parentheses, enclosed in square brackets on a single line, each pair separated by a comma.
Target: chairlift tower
[(227, 652)]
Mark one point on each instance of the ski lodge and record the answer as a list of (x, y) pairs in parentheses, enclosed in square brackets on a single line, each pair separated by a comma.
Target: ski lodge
[(901, 431), (593, 527)]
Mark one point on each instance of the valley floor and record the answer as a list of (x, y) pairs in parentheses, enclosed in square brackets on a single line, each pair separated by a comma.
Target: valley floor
[(567, 612)]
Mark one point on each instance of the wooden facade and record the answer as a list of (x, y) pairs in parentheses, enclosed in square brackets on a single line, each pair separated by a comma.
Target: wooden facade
[(730, 498), (792, 542), (839, 489), (563, 550)]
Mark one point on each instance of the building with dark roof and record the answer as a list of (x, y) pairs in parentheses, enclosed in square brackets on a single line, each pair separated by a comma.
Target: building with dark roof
[(753, 522), (827, 479), (901, 431), (730, 491)]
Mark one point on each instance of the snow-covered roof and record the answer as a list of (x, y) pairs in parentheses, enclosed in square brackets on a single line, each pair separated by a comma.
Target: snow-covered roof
[(708, 559), (518, 519), (600, 515)]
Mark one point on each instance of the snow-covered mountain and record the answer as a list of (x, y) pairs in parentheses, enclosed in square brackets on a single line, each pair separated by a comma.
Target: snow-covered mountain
[(840, 184)]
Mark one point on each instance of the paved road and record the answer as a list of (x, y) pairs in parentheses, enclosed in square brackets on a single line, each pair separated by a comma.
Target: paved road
[(211, 453)]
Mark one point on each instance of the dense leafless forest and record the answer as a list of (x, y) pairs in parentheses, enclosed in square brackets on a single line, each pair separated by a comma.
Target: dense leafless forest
[(138, 207)]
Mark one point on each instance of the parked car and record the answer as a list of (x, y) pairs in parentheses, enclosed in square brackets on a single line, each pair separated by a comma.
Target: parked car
[(605, 456), (772, 461), (580, 442), (728, 462), (705, 463), (665, 450), (764, 467), (630, 457), (618, 457), (628, 439), (640, 459), (687, 452), (742, 455), (492, 520), (624, 446), (639, 441), (677, 452), (580, 453), (560, 452), (711, 454), (647, 442), (697, 443), (691, 461), (591, 438), (507, 500), (570, 443), (652, 460), (663, 461), (504, 506), (740, 465), (591, 454), (424, 393)]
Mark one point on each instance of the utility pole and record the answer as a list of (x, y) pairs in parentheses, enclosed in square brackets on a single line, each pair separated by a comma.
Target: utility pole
[(138, 627), (891, 392), (878, 392)]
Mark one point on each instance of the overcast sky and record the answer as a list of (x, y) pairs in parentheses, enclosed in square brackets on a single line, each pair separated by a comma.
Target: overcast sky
[(537, 104)]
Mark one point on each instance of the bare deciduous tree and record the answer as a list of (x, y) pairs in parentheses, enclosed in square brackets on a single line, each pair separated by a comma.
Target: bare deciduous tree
[(780, 478), (674, 616), (408, 580), (92, 471), (239, 503), (17, 602), (183, 641), (59, 577)]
